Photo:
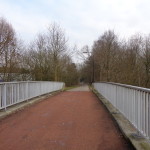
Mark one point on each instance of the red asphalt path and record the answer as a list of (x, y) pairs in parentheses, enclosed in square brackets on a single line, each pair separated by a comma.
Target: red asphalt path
[(67, 121)]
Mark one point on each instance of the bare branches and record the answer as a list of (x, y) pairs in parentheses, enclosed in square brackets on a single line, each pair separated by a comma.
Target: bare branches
[(48, 57), (121, 61), (9, 55)]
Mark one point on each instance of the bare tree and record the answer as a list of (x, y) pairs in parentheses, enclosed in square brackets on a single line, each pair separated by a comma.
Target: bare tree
[(104, 51), (121, 61), (145, 56), (9, 51), (48, 57), (57, 46)]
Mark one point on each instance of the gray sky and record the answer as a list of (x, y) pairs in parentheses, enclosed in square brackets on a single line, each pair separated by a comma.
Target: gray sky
[(83, 20)]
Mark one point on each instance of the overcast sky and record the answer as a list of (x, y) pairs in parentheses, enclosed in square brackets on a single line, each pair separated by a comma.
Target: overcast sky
[(83, 20)]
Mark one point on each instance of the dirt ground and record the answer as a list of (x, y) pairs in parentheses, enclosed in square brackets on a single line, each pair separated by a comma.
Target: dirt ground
[(72, 120)]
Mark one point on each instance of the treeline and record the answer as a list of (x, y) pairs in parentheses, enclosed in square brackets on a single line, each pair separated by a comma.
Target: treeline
[(47, 58), (117, 60)]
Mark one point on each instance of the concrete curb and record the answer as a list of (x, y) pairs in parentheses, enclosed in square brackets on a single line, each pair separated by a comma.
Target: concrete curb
[(138, 141), (20, 106)]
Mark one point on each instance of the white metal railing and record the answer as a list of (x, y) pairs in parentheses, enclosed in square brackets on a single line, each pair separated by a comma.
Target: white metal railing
[(132, 101), (16, 92)]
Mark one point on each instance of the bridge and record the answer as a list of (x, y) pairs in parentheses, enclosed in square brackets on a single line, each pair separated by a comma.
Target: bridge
[(74, 119)]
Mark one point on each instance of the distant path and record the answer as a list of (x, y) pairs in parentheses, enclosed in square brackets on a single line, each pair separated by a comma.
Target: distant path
[(68, 121), (81, 88)]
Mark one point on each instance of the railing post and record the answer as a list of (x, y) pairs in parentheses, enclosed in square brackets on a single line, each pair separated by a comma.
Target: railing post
[(5, 96), (27, 91)]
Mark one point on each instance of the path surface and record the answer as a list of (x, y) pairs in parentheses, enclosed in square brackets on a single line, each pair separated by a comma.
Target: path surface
[(81, 88), (72, 120)]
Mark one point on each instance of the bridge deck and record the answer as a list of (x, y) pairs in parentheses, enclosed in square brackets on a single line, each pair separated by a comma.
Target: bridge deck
[(72, 120)]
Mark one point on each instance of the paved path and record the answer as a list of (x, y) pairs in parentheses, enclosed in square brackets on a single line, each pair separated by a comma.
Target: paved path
[(68, 121), (81, 88)]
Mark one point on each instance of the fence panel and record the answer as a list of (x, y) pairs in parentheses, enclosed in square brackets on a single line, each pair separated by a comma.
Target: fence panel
[(132, 101), (15, 92)]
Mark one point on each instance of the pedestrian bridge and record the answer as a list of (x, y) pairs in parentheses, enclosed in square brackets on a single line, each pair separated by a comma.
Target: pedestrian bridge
[(133, 102)]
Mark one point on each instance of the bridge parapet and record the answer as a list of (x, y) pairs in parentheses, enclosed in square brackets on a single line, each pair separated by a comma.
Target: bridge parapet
[(132, 101), (15, 92)]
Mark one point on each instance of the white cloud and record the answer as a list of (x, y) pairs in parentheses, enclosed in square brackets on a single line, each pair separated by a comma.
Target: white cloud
[(83, 20)]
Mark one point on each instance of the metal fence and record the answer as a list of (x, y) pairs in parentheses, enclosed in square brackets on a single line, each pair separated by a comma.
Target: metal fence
[(16, 92), (132, 101)]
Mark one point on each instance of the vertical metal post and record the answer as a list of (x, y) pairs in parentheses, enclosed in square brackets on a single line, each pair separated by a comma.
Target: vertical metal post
[(93, 73), (27, 89), (5, 96)]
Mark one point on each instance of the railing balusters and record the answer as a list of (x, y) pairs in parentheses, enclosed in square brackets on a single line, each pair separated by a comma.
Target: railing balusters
[(15, 92), (132, 101)]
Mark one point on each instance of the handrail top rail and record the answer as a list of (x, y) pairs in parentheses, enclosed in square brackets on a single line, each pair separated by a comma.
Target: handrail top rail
[(15, 82), (128, 86)]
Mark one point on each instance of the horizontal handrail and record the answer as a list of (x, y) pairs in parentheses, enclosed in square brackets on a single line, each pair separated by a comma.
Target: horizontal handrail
[(132, 101), (128, 86), (28, 82)]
